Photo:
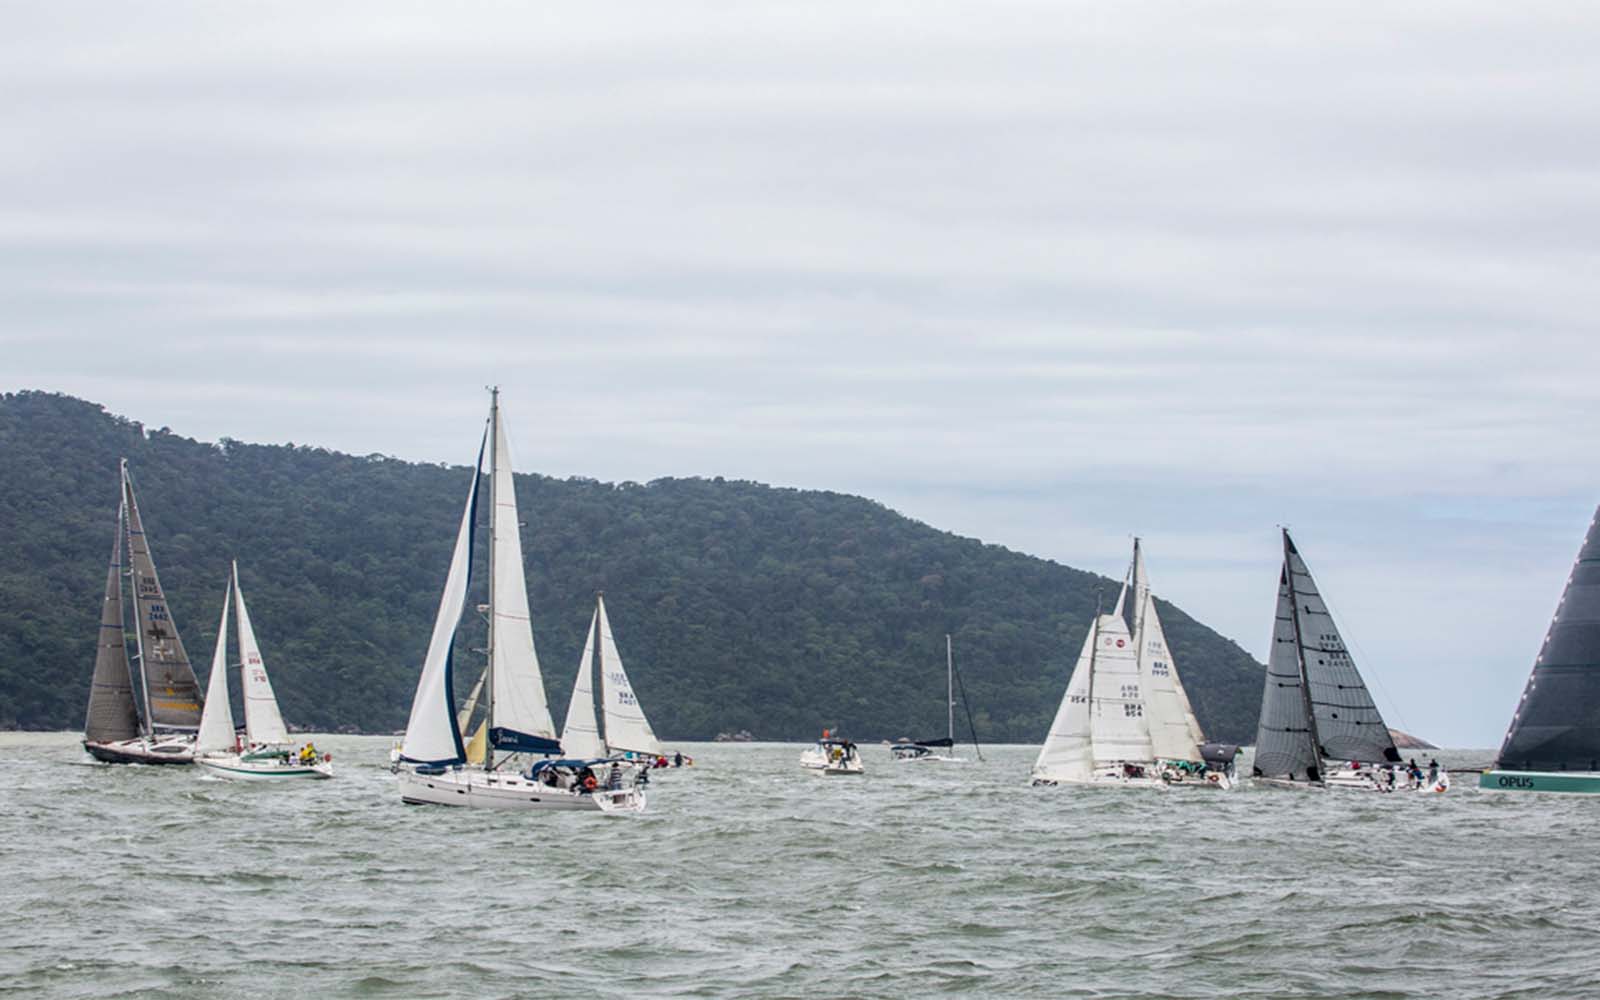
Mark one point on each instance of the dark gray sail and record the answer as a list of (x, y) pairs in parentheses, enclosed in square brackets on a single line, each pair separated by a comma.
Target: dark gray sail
[(1348, 721), (1285, 739), (112, 715), (1557, 723), (171, 690)]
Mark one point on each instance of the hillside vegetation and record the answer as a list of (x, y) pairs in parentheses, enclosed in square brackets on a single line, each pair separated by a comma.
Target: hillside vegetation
[(736, 605)]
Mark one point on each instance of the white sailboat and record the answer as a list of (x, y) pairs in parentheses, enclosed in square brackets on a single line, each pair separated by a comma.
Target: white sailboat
[(627, 732), (433, 765), (1124, 719), (832, 755), (1314, 704), (927, 751), (157, 726), (267, 753)]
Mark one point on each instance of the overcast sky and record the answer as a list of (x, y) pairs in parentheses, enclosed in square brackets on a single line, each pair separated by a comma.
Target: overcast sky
[(1046, 274)]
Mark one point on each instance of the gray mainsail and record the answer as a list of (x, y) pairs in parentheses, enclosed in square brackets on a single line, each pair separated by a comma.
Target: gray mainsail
[(112, 715), (1286, 739), (1348, 721), (1557, 723), (171, 690)]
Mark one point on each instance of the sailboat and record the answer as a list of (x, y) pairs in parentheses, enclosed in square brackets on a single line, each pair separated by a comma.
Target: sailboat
[(115, 730), (926, 751), (1315, 706), (627, 732), (266, 753), (1553, 743), (433, 765), (1125, 719)]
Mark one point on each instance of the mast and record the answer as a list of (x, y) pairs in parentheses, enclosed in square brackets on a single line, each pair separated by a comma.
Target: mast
[(494, 498), (1300, 655), (601, 728), (1094, 650), (138, 633), (950, 689)]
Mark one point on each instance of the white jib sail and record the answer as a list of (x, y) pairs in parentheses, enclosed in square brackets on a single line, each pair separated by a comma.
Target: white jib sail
[(1068, 753), (626, 726), (1118, 724), (431, 733), (519, 698), (263, 723), (580, 737), (216, 719)]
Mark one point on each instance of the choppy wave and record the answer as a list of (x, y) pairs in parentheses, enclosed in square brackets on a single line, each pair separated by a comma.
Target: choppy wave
[(751, 878)]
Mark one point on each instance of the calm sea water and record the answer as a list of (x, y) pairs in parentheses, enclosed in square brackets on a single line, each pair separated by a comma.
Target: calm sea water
[(750, 878)]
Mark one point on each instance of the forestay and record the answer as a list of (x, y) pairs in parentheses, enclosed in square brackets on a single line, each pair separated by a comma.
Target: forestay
[(171, 688), (1557, 722), (216, 722), (112, 715), (1068, 753), (580, 735), (263, 723), (1285, 741), (626, 725), (1348, 722), (432, 736), (521, 714)]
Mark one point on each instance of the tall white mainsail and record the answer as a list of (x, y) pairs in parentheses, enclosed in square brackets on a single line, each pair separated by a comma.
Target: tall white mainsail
[(432, 736), (580, 735), (263, 723), (216, 718), (1174, 731), (1068, 753), (626, 726), (518, 712), (1118, 725)]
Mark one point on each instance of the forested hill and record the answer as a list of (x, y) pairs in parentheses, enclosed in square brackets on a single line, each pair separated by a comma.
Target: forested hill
[(735, 605)]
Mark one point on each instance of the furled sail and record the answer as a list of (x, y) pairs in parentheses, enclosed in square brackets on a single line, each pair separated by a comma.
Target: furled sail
[(521, 714), (216, 722), (1348, 721), (172, 691), (1118, 724), (263, 723), (1068, 753), (626, 726), (432, 736), (580, 735), (1557, 723), (112, 715), (1174, 731), (1285, 740)]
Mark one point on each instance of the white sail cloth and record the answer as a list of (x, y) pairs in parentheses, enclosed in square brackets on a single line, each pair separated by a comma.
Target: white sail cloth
[(263, 723), (580, 735), (1174, 731), (626, 725), (518, 697), (1068, 752), (216, 719), (432, 736)]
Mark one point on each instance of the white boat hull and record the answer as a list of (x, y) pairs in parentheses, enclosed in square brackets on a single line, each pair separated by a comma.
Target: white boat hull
[(161, 750), (818, 762), (234, 768), (472, 788)]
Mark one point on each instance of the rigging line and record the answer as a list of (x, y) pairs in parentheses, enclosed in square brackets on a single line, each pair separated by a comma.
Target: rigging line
[(966, 706), (1350, 640)]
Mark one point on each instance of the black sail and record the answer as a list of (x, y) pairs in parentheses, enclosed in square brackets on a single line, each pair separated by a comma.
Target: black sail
[(111, 714), (1557, 723), (171, 686)]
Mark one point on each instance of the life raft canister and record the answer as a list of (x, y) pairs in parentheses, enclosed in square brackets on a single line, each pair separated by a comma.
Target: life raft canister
[(590, 784)]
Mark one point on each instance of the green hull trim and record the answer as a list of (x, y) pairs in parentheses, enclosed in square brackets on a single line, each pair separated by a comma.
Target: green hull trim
[(1540, 781)]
